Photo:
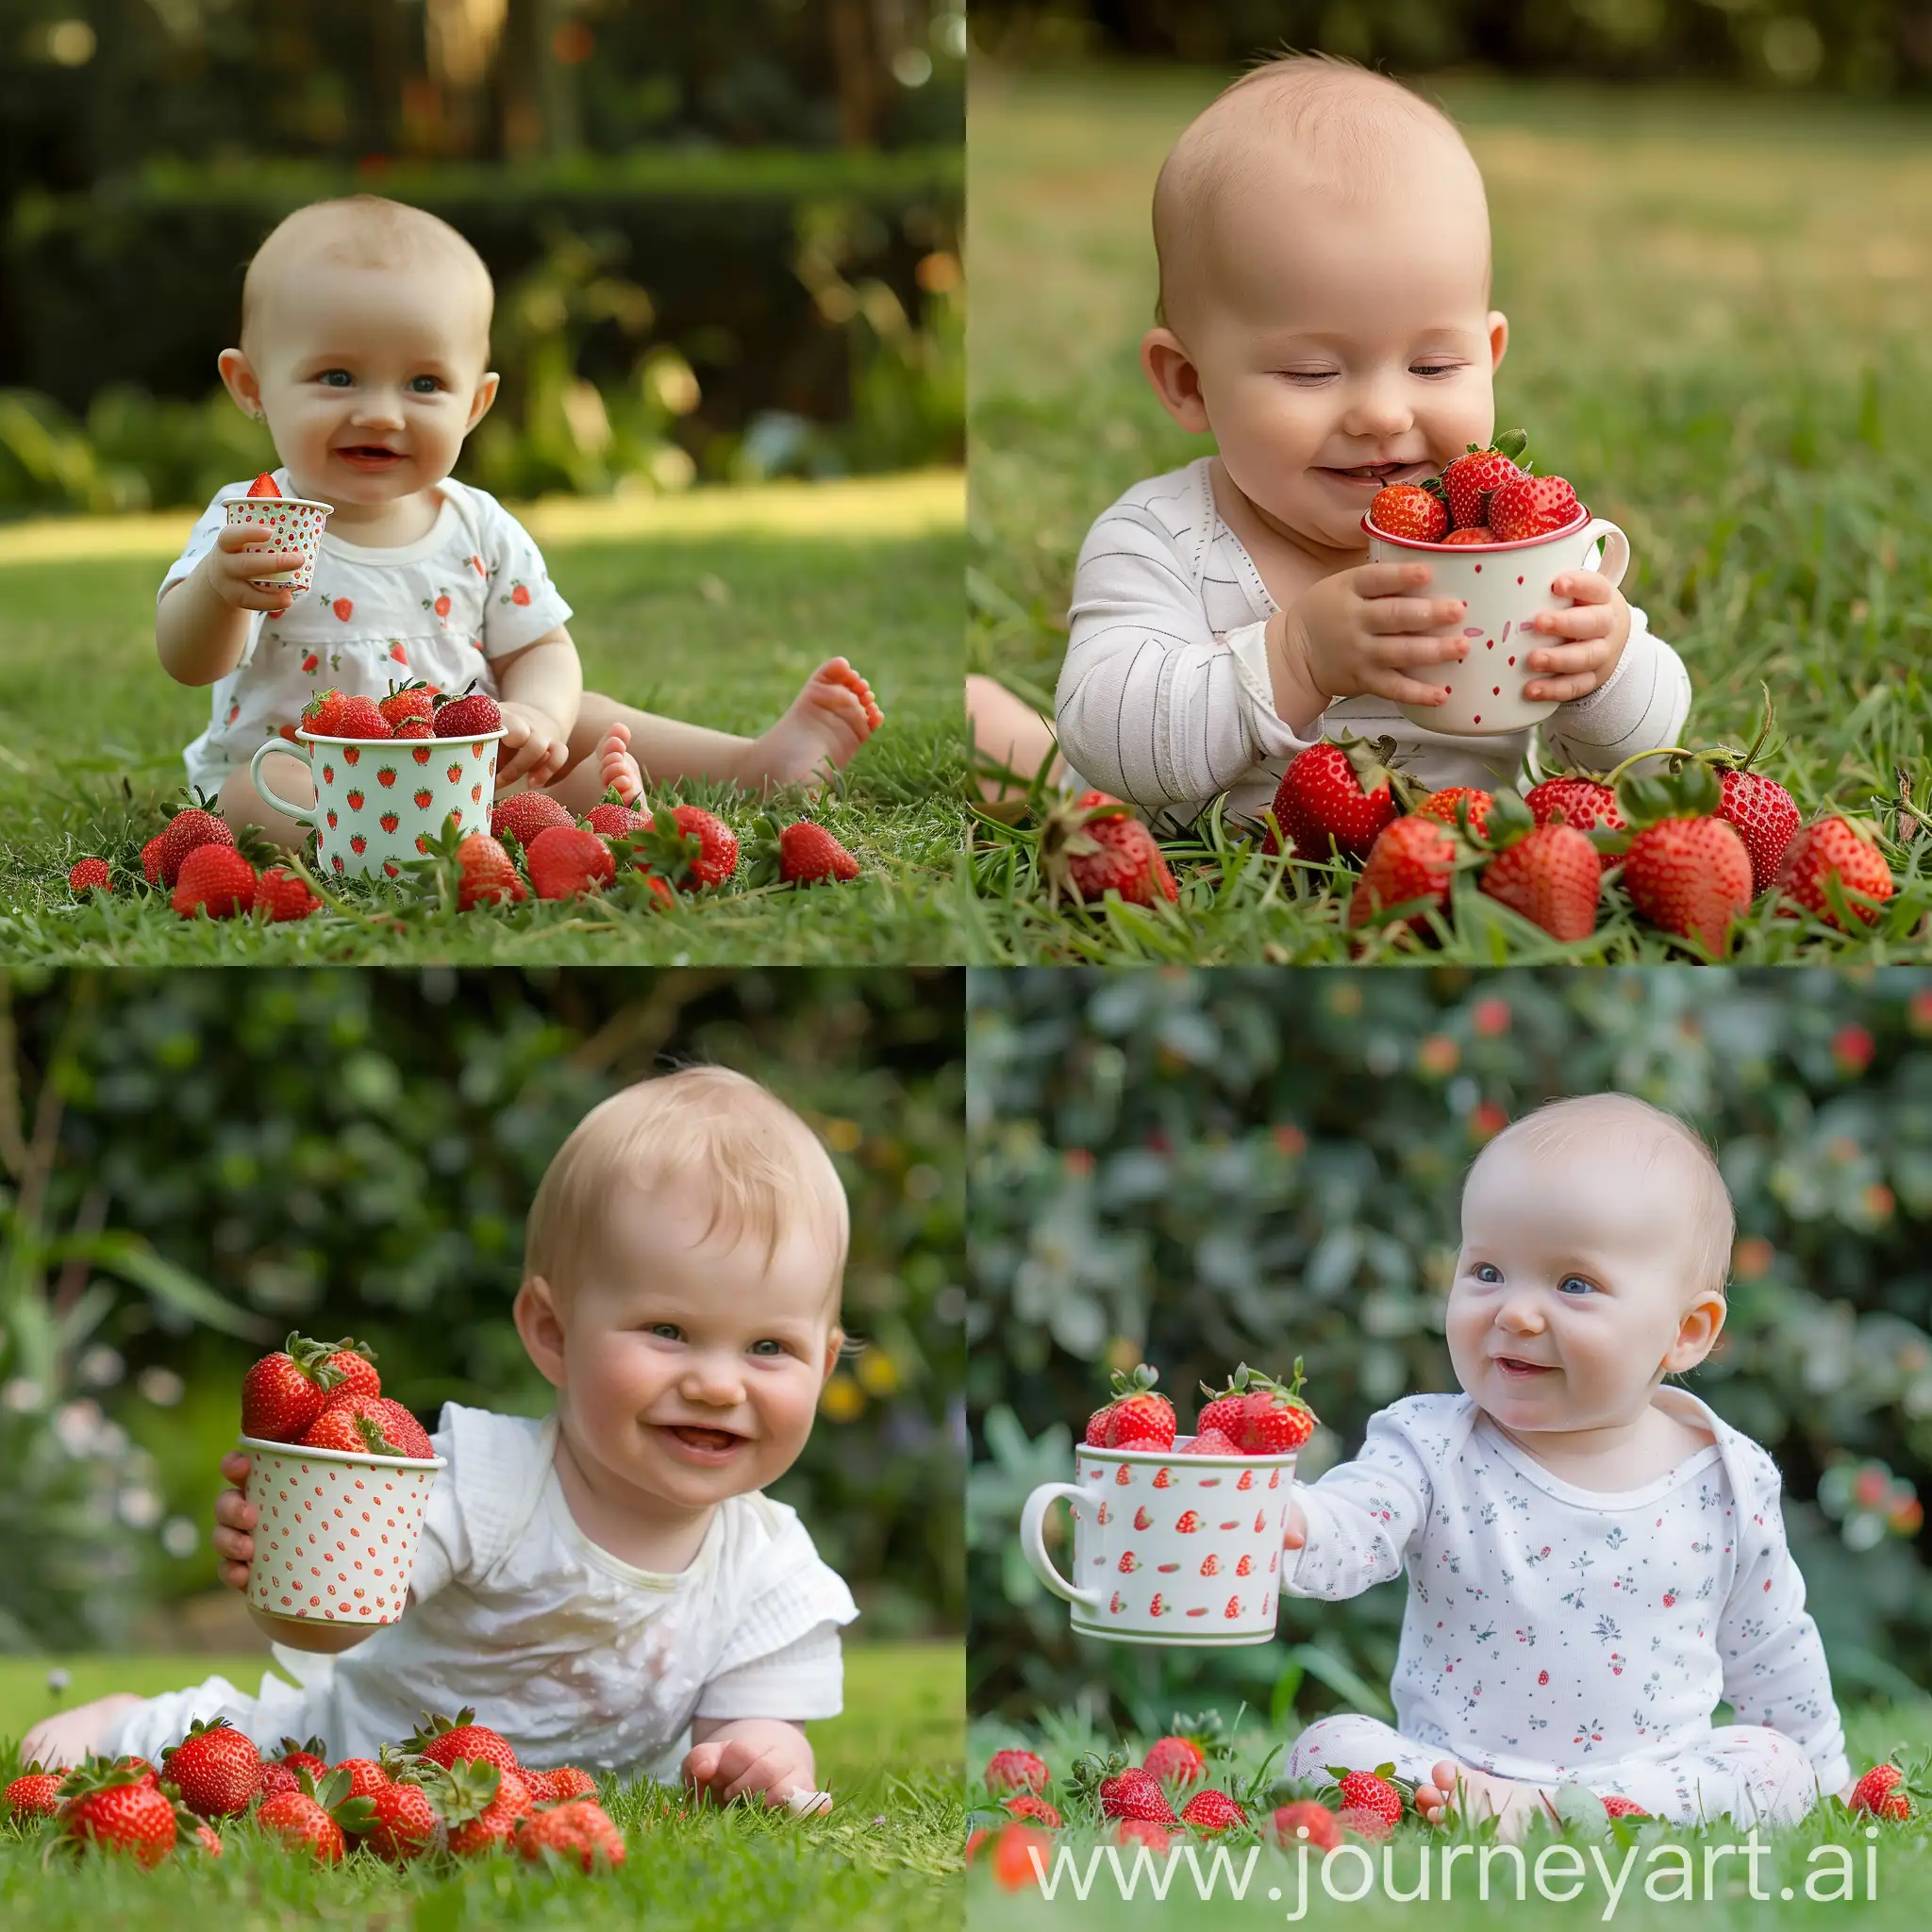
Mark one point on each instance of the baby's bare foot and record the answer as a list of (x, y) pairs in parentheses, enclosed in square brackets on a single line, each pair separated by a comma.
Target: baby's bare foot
[(617, 768), (1482, 1794), (68, 1735), (828, 721)]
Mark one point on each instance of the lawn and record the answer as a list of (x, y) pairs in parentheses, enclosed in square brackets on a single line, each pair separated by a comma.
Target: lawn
[(1717, 311), (887, 1857), (1276, 1890), (713, 607)]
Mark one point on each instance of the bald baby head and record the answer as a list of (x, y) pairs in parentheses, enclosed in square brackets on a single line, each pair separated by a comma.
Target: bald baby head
[(1302, 126)]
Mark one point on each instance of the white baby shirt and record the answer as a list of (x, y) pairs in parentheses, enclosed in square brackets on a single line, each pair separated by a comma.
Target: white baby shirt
[(574, 1655), (443, 608), (1551, 1627), (1165, 698)]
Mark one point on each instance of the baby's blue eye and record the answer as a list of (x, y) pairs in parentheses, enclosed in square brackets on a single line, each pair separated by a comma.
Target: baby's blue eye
[(768, 1347), (1487, 1271), (666, 1331), (424, 385), (335, 378), (1577, 1283)]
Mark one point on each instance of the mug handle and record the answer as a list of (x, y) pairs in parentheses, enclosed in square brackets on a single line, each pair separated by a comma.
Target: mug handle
[(1616, 558), (1033, 1545), (305, 814)]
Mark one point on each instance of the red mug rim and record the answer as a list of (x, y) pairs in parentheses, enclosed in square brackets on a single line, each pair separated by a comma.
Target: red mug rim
[(1569, 529)]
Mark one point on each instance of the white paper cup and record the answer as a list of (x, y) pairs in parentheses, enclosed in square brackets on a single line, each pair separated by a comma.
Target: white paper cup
[(1504, 586), (335, 1537), (1168, 1548), (297, 525)]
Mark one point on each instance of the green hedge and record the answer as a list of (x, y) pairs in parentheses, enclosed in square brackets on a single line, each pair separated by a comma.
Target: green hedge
[(1252, 1165), (139, 282), (353, 1153)]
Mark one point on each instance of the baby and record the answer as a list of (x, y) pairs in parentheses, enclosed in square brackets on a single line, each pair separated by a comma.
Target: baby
[(602, 1582), (365, 346), (1325, 315), (1593, 1560)]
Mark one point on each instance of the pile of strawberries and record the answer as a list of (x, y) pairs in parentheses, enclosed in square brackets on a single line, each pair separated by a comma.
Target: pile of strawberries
[(1252, 1414), (327, 1395), (1692, 846), (1484, 496), (454, 1790), (415, 710)]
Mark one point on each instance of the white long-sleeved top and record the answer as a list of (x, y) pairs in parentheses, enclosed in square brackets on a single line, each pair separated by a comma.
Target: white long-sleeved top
[(1551, 1627), (1165, 697)]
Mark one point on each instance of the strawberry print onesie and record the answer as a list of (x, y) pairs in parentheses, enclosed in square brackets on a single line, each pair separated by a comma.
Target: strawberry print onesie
[(443, 608), (1561, 1634)]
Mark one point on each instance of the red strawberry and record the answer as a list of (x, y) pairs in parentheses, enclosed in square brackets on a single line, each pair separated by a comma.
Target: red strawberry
[(389, 821), (1413, 859), (1624, 1807), (1016, 1771), (35, 1793), (1375, 1793), (361, 719), (193, 825), (1320, 1824), (1261, 1416), (800, 853), (565, 1781), (1551, 873), (521, 594), (1407, 509), (215, 1768), (1176, 1759), (1468, 481), (1027, 1805), (443, 1740), (1455, 803), (1686, 871), (264, 484), (1123, 1792), (1578, 801), (274, 1779), (1188, 1522), (487, 873), (367, 1425), (311, 1756), (1137, 1418), (354, 799), (1096, 846), (1211, 1442), (151, 858), (1526, 506), (566, 860), (613, 819), (1341, 790), (284, 895), (216, 878), (417, 728), (319, 1817), (688, 847), (118, 1809), (365, 1774), (284, 1392), (1476, 533), (1143, 1831), (342, 607), (1884, 1792), (468, 716), (1834, 848), (1212, 1811), (323, 714), (406, 701), (482, 1805), (89, 876), (402, 1822), (578, 1830), (1766, 816), (523, 814)]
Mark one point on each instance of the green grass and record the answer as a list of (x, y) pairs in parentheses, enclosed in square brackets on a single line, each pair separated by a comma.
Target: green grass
[(718, 630), (1717, 311), (1904, 1860), (888, 1855)]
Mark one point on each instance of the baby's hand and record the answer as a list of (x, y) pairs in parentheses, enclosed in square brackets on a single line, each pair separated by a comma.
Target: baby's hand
[(1364, 630), (751, 1754), (234, 1519), (1296, 1533), (1596, 627), (533, 746), (228, 566)]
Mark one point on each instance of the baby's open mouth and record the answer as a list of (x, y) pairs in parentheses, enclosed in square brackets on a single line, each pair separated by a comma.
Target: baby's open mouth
[(370, 455), (1378, 474), (702, 1441), (1515, 1365)]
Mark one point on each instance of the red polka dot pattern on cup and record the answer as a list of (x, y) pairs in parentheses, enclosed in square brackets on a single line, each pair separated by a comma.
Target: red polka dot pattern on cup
[(297, 525)]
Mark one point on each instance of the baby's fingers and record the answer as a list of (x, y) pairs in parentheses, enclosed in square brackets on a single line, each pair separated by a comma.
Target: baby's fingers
[(235, 1468), (701, 1763), (1405, 616)]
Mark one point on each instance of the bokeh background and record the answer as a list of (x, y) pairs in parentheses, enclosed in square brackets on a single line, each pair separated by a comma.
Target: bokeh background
[(192, 1164), (725, 238), (1198, 1168)]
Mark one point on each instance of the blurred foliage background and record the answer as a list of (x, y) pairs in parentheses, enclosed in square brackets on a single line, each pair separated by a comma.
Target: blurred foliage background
[(193, 1163), (1198, 1168), (724, 240), (1858, 46)]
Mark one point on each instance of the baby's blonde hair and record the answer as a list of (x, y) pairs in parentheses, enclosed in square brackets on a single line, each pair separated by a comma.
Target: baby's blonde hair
[(723, 1133), (1560, 1125), (368, 231), (1348, 127)]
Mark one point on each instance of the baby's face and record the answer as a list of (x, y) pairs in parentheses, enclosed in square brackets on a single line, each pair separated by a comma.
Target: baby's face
[(1342, 345), (1573, 1284), (692, 1367), (369, 377)]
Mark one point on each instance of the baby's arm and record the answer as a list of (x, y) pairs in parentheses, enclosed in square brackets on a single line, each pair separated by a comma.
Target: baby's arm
[(1641, 705), (542, 686), (1354, 1527), (736, 1755), (203, 622)]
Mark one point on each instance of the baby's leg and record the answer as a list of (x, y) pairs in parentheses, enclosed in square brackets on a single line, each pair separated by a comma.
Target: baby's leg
[(69, 1736), (1751, 1775), (242, 806), (1009, 732), (1444, 1786)]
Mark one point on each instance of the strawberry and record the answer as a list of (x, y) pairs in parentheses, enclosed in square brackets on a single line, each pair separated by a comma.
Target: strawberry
[(1685, 870), (119, 1810), (366, 1777), (1766, 816), (284, 1392), (443, 1740), (1096, 846), (612, 819), (1409, 510), (264, 484), (368, 1426), (192, 824), (468, 716), (276, 1779), (311, 1756), (1468, 481), (485, 873), (209, 1840), (214, 1767), (1120, 1791), (1363, 1822), (1027, 1805), (1835, 849), (1212, 1811), (1476, 533), (1528, 506), (1412, 861), (1624, 1807), (523, 814), (566, 860), (284, 895), (688, 847), (89, 876), (1143, 1831), (1137, 1418), (1342, 790), (481, 1805), (566, 1781), (1016, 1771), (1291, 1822), (1257, 1414), (578, 1830), (402, 1822), (1176, 1758), (1884, 1792), (1211, 1442), (800, 853), (1378, 1793), (1580, 801), (1551, 873), (35, 1793), (414, 699), (416, 727), (1456, 804), (317, 1817), (151, 858), (323, 714), (361, 719), (215, 879)]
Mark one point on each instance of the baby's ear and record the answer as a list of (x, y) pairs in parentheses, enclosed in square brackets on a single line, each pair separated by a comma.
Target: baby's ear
[(541, 1327), (1697, 1333), (480, 401), (1499, 338), (1168, 365), (835, 1343), (239, 378)]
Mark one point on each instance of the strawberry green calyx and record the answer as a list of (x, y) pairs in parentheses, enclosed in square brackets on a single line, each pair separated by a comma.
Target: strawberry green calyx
[(1372, 760), (462, 1791), (354, 1815), (669, 851), (1138, 1382), (1690, 791), (316, 1359)]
